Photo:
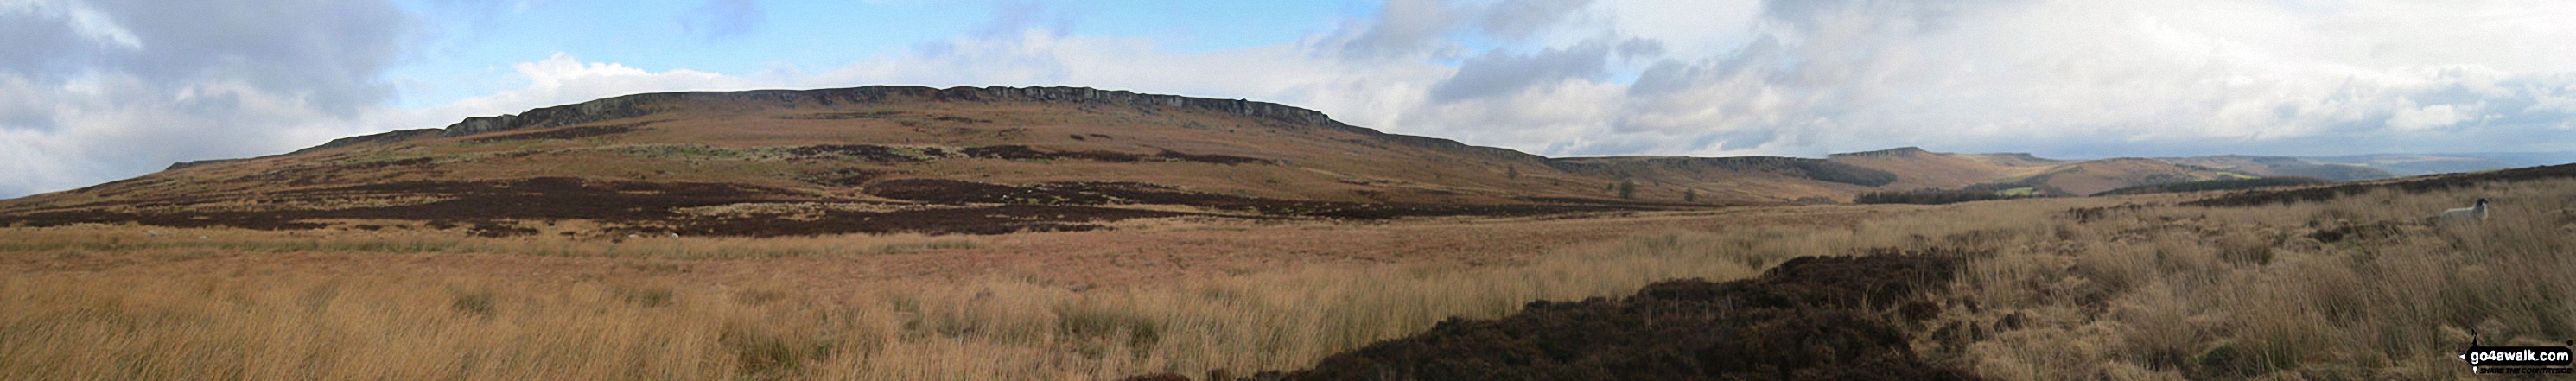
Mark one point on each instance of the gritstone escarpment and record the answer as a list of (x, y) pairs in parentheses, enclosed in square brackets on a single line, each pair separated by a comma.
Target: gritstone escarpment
[(855, 160), (840, 160), (638, 105)]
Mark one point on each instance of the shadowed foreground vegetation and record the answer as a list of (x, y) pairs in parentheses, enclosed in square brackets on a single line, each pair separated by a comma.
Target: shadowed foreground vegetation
[(2214, 185), (2355, 285), (1932, 196)]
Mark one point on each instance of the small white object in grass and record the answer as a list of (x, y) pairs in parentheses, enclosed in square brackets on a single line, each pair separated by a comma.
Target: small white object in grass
[(155, 233), (675, 235), (2468, 215)]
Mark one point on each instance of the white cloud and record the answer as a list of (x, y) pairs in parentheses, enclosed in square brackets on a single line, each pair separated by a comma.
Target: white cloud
[(2068, 78), (83, 19), (562, 79), (2425, 117)]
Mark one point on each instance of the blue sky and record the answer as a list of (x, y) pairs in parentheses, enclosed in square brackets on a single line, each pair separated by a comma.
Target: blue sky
[(471, 43), (99, 90)]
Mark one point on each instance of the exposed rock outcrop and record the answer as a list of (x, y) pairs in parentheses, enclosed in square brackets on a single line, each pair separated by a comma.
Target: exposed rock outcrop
[(187, 164), (1891, 152), (646, 104), (639, 105)]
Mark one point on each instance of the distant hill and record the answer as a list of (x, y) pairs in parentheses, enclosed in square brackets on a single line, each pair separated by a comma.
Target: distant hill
[(2280, 166), (1001, 159), (1743, 178), (2418, 164), (870, 159), (1917, 168), (2096, 176), (905, 159)]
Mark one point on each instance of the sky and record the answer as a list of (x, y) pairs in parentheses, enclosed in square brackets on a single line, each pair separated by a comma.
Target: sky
[(99, 90)]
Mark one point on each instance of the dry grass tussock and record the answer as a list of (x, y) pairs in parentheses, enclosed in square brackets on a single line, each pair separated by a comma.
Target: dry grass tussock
[(2361, 287), (283, 323)]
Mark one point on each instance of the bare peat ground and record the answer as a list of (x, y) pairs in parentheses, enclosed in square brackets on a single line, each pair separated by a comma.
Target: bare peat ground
[(1838, 318)]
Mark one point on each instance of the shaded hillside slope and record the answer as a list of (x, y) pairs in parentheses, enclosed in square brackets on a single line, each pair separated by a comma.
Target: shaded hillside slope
[(1732, 178), (1918, 169), (2097, 176), (2418, 164), (2022, 174), (2279, 166), (2216, 185), (2417, 184)]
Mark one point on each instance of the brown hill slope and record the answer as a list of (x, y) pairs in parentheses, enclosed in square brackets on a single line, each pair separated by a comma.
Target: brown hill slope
[(1919, 169), (871, 159), (2277, 166), (956, 160), (2095, 176), (2013, 172), (1732, 179)]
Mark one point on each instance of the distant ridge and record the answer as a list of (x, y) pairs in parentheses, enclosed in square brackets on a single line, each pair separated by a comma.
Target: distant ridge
[(982, 160), (1891, 152)]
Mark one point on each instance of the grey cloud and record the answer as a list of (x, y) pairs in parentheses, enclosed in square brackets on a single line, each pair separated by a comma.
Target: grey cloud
[(201, 79), (329, 52), (1519, 19), (1808, 17), (41, 45), (1739, 139), (723, 18), (1409, 28), (1500, 72), (1402, 28), (1640, 48), (1624, 145)]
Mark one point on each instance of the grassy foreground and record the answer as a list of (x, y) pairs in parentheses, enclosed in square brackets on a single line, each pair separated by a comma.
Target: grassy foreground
[(2356, 287)]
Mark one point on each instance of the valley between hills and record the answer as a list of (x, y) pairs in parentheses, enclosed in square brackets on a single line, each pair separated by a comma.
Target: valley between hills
[(901, 233)]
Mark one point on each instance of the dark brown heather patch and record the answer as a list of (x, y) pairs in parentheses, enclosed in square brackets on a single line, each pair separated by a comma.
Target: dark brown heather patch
[(956, 192), (1020, 152), (564, 133), (875, 153), (1000, 219), (2417, 185), (1810, 318), (845, 177), (521, 199)]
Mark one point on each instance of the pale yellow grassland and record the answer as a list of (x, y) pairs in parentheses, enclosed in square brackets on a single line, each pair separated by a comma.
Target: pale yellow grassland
[(2187, 292), (2160, 292), (265, 322)]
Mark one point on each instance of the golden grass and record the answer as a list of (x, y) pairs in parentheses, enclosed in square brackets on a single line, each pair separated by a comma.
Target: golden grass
[(2157, 292), (2184, 292), (284, 323)]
